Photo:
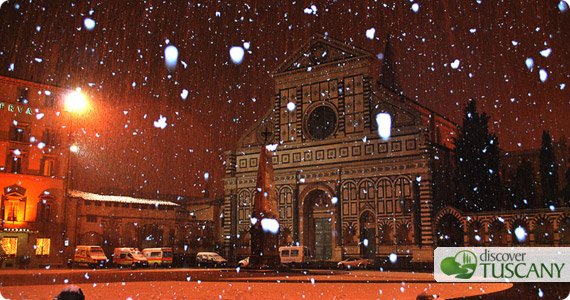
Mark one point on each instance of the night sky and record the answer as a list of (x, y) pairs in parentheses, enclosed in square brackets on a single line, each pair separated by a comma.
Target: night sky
[(445, 52)]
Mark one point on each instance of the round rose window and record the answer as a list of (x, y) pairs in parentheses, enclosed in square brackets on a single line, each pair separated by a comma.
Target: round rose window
[(321, 122)]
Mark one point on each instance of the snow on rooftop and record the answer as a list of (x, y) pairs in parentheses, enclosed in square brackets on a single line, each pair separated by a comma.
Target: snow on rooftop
[(121, 199)]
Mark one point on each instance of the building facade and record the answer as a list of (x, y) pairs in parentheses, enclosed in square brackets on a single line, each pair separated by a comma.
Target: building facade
[(42, 220), (342, 190), (33, 168)]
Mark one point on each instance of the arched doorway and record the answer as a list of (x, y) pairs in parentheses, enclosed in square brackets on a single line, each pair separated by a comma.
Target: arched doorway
[(449, 232), (318, 224), (367, 235)]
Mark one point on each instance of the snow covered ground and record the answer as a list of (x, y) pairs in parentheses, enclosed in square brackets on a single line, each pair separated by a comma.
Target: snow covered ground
[(254, 290)]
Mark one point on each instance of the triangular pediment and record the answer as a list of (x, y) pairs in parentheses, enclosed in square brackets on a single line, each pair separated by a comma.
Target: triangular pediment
[(320, 51), (263, 131), (387, 101)]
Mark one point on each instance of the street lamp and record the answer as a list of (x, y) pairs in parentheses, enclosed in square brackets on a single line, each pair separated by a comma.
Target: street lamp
[(74, 103)]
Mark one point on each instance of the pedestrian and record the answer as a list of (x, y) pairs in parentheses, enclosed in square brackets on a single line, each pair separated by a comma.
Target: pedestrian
[(70, 292)]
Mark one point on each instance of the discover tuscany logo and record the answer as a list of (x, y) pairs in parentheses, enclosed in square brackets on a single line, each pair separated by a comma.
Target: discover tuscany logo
[(502, 264)]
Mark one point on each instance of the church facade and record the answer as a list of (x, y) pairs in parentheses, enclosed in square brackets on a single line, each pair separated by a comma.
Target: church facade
[(342, 189)]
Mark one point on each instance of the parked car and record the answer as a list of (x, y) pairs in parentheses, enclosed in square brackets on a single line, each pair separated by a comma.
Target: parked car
[(210, 259), (129, 257), (355, 263), (244, 262), (89, 256), (158, 257)]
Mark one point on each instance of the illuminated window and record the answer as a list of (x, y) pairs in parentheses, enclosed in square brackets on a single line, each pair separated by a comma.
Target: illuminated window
[(12, 211), (10, 245), (42, 246), (14, 208)]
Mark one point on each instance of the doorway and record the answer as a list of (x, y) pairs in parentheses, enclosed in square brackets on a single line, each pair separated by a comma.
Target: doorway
[(318, 225)]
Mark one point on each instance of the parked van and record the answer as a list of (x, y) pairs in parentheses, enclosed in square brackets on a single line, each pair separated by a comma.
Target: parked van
[(89, 256), (129, 257), (295, 255), (210, 259), (158, 256)]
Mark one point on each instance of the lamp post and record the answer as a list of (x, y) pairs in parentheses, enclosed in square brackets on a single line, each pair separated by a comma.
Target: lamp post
[(75, 103)]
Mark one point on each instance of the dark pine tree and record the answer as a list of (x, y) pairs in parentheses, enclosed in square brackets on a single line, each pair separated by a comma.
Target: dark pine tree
[(566, 190), (523, 187), (548, 172), (477, 163)]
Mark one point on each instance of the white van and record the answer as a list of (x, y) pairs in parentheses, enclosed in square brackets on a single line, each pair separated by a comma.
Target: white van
[(89, 256), (210, 259), (129, 257), (295, 255), (158, 256)]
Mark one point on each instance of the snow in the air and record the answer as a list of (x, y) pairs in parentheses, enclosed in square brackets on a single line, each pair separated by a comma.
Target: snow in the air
[(270, 225), (291, 106), (384, 122), (520, 233), (546, 52), (543, 75), (236, 54), (171, 57), (393, 258), (370, 33), (529, 63), (184, 94), (415, 7), (455, 64), (161, 123), (89, 23)]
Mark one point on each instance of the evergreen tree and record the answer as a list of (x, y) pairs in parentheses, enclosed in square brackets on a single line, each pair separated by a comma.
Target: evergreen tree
[(566, 190), (477, 163), (524, 194), (548, 172)]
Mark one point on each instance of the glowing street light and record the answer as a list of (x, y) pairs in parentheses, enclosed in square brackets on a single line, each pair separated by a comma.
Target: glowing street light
[(74, 148), (76, 102)]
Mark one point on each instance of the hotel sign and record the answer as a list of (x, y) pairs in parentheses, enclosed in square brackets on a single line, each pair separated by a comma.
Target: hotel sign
[(15, 108)]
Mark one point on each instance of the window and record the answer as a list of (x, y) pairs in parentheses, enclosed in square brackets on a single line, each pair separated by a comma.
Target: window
[(12, 211), (47, 167), (19, 132), (321, 122), (10, 245), (91, 219), (16, 161), (49, 99), (24, 92), (285, 253), (294, 252), (45, 207), (42, 246), (49, 137)]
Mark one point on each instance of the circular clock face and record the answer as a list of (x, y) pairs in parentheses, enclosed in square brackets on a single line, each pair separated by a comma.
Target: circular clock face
[(322, 122)]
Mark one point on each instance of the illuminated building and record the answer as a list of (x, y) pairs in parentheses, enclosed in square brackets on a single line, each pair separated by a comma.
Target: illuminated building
[(347, 184), (354, 164), (33, 168), (41, 225)]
